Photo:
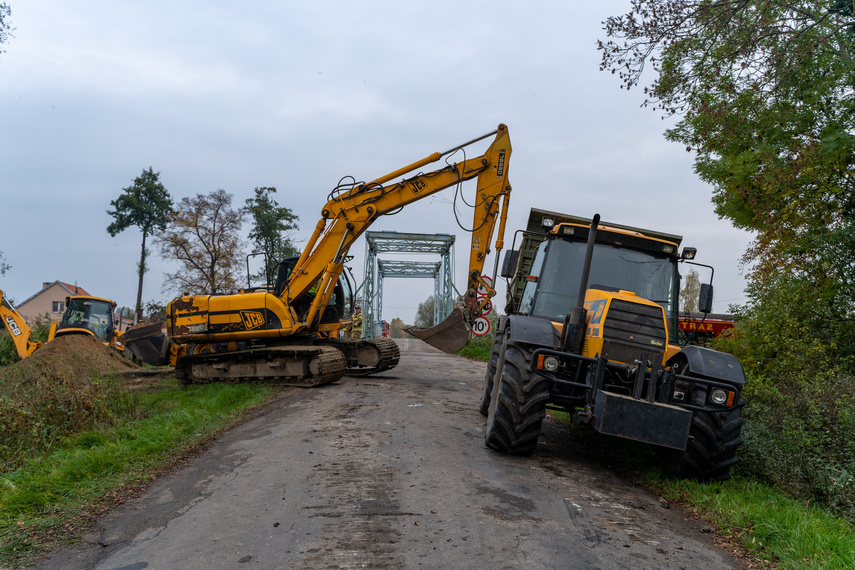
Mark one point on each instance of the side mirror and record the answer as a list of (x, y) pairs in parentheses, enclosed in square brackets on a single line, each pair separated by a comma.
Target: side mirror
[(705, 298), (509, 264)]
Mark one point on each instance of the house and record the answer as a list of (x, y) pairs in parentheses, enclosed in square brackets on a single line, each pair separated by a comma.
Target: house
[(50, 301)]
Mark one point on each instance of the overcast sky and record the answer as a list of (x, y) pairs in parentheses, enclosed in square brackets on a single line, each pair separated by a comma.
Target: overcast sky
[(297, 95)]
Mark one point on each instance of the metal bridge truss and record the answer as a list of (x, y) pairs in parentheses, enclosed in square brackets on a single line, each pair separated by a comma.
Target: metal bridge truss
[(376, 270)]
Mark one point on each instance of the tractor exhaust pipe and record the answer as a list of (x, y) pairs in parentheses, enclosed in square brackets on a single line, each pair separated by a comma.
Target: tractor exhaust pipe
[(573, 334)]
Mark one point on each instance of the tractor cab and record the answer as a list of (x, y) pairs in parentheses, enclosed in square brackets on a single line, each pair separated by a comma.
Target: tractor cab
[(87, 315)]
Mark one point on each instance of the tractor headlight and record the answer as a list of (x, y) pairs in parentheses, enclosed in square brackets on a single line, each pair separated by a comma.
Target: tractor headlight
[(550, 364), (719, 397)]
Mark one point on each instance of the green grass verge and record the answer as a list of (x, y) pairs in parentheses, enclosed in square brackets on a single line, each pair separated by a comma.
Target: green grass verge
[(785, 532), (766, 522), (46, 498)]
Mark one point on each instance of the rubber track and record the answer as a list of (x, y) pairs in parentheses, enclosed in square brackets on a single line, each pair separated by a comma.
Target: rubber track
[(329, 363), (390, 354)]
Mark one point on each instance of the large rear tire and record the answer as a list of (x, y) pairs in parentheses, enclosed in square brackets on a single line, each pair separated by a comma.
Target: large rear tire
[(517, 404), (492, 366)]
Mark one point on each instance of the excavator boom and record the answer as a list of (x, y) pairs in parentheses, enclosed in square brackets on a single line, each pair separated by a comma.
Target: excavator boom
[(275, 335)]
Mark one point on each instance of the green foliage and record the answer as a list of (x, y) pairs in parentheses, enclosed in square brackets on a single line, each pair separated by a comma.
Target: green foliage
[(47, 490), (800, 392), (478, 348), (8, 352), (37, 410), (272, 226), (147, 205), (424, 313)]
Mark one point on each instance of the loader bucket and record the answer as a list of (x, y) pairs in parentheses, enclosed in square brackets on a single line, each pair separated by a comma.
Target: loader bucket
[(450, 335)]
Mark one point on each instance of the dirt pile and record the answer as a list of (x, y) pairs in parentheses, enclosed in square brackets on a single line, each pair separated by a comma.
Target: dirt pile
[(76, 353)]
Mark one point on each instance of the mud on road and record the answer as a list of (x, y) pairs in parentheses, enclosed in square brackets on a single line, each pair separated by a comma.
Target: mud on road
[(392, 472)]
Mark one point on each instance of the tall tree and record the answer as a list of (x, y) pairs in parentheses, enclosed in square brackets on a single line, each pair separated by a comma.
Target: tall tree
[(765, 92), (271, 230), (424, 313), (203, 237), (147, 205), (690, 291)]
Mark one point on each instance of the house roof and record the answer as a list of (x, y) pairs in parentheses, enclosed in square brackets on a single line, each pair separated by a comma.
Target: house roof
[(71, 289)]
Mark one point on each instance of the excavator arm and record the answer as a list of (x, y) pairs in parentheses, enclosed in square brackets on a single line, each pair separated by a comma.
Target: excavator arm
[(348, 215), (18, 328)]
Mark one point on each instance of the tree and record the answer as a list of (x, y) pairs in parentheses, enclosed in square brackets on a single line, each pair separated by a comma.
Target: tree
[(147, 205), (4, 267), (396, 328), (203, 238), (270, 222), (5, 24), (766, 94), (690, 292), (424, 314)]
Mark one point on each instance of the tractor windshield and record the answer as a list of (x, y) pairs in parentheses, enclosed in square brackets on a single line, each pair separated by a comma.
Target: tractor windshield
[(557, 270), (90, 314)]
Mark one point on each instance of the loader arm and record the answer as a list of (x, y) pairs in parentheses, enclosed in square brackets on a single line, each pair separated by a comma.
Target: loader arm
[(349, 214), (18, 328)]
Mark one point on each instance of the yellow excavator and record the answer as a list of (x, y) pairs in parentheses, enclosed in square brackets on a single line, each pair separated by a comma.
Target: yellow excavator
[(291, 334), (83, 315)]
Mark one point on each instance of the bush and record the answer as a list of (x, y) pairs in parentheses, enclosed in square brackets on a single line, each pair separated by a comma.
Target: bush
[(39, 410)]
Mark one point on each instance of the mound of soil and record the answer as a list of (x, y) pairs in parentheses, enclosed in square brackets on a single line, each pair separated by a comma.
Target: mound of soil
[(77, 353)]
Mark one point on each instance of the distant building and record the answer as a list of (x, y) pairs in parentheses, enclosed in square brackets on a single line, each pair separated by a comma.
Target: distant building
[(50, 301)]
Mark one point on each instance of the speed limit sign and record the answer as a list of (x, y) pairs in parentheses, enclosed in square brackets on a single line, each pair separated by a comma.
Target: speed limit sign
[(480, 326)]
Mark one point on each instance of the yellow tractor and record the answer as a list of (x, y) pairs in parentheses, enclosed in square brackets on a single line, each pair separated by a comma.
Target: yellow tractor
[(591, 329)]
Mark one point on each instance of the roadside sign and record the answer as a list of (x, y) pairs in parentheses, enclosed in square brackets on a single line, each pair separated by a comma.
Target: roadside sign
[(487, 308), (482, 291), (480, 326)]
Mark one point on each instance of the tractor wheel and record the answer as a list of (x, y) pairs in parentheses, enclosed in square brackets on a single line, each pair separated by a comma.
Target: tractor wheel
[(711, 450), (495, 353), (517, 403)]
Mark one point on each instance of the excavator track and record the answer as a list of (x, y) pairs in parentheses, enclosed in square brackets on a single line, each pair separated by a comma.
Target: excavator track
[(304, 366), (367, 356)]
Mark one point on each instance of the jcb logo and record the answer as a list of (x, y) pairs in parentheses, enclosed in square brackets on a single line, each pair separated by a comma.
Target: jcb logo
[(417, 186), (251, 319), (13, 326)]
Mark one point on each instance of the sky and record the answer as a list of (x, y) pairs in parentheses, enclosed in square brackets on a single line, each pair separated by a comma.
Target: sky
[(297, 95)]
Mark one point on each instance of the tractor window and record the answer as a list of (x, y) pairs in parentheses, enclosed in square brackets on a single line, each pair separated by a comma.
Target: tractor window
[(644, 274), (531, 282)]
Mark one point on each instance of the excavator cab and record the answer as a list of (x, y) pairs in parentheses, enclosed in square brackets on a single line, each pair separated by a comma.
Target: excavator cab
[(336, 310)]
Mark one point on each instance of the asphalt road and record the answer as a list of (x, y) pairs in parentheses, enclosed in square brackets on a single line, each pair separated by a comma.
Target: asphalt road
[(391, 472)]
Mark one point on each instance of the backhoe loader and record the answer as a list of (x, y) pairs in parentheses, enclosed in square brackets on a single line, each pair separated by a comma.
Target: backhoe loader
[(83, 315), (291, 334), (591, 329)]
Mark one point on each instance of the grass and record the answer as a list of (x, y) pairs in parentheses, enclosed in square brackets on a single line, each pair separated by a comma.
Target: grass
[(50, 495)]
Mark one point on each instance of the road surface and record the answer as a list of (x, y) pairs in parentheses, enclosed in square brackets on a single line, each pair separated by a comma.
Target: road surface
[(391, 472)]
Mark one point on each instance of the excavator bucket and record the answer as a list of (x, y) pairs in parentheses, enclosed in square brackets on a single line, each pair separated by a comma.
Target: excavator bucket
[(450, 335), (148, 343)]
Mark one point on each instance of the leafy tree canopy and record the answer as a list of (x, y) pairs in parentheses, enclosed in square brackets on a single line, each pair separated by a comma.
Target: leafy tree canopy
[(147, 205), (424, 313), (203, 237), (271, 230), (765, 91)]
